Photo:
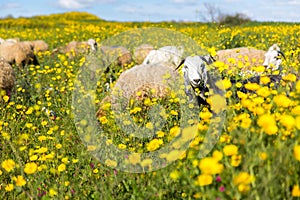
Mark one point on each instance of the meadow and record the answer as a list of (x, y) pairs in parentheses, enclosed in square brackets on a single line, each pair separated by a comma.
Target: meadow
[(257, 150)]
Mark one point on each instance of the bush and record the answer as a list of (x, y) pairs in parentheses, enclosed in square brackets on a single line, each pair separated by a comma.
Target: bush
[(234, 20)]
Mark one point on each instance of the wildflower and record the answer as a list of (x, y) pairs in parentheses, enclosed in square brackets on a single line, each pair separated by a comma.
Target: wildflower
[(298, 86), (288, 121), (210, 165), (8, 165), (61, 167), (134, 158), (298, 122), (236, 160), (263, 156), (296, 191), (242, 180), (52, 192), (268, 124), (296, 110), (223, 84), (282, 100), (20, 181), (9, 187), (217, 155), (30, 168), (217, 103), (174, 175), (204, 179), (230, 150), (297, 152), (252, 86), (154, 144), (111, 163), (174, 131), (122, 146), (103, 120)]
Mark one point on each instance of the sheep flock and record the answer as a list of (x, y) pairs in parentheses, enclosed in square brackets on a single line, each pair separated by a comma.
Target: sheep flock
[(151, 65)]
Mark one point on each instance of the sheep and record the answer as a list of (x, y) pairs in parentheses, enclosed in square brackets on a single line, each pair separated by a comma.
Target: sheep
[(170, 54), (250, 57), (10, 40), (7, 77), (39, 45), (138, 81), (120, 53), (20, 53), (74, 48), (141, 52), (195, 74)]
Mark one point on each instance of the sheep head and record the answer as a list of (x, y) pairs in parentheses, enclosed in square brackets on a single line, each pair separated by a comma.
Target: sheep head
[(272, 58)]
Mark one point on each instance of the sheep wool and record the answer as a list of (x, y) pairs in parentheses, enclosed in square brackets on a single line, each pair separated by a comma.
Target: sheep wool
[(7, 76), (122, 55), (138, 81), (39, 45), (141, 52), (20, 53)]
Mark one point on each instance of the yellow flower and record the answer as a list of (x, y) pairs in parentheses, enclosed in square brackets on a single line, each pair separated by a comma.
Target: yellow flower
[(297, 152), (296, 110), (263, 156), (236, 160), (8, 165), (154, 144), (174, 175), (263, 91), (242, 180), (30, 168), (298, 122), (61, 167), (204, 179), (210, 165), (252, 86), (9, 187), (218, 155), (20, 181), (122, 146), (296, 191), (298, 86), (217, 103), (264, 80), (282, 100), (111, 163), (230, 150), (224, 84), (134, 158), (268, 124), (103, 120), (52, 192), (288, 121), (174, 131)]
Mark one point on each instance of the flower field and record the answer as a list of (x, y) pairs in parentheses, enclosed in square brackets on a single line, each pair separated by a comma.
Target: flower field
[(256, 154)]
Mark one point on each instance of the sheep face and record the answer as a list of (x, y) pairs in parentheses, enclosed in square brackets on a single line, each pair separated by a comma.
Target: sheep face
[(195, 70), (272, 59), (93, 44)]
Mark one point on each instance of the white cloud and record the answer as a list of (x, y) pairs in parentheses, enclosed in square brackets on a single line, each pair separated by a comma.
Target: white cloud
[(184, 1), (78, 4), (9, 6)]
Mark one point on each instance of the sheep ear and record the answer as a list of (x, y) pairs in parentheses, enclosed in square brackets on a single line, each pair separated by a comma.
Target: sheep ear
[(180, 64), (281, 53)]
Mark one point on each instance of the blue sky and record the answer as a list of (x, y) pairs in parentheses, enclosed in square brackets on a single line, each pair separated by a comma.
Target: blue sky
[(156, 10)]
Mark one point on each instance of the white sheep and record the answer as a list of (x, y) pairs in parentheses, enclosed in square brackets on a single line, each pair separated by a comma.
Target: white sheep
[(142, 81), (246, 58), (39, 45), (7, 77), (74, 48), (166, 54), (141, 52), (10, 40), (120, 53), (195, 74), (20, 53)]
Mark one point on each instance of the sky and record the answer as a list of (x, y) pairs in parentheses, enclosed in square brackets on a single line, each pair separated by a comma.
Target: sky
[(156, 10)]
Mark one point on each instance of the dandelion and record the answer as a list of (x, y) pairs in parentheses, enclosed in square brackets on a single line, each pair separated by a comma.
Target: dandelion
[(52, 192), (224, 84), (210, 165), (282, 100), (8, 165), (268, 124), (134, 158), (204, 179), (20, 181), (296, 191), (297, 152), (236, 160), (30, 168), (175, 175), (242, 180), (288, 121), (154, 144), (230, 150), (61, 167), (9, 187)]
